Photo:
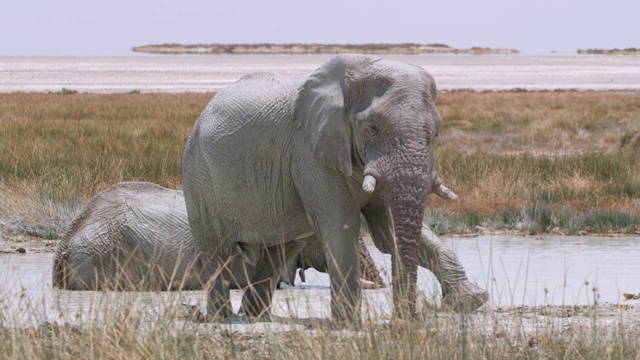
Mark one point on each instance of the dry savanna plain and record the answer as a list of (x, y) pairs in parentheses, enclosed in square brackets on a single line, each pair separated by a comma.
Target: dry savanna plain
[(563, 162)]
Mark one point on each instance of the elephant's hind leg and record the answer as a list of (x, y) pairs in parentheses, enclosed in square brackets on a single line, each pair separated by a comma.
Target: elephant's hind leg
[(218, 296), (271, 267)]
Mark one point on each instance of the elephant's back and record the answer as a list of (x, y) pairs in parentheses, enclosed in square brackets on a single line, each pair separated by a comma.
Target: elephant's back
[(157, 234), (132, 223), (238, 125), (87, 242), (123, 204), (94, 218), (154, 209), (252, 98)]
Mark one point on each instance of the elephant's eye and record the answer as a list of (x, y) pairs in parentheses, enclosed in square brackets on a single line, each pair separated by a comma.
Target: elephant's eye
[(373, 129)]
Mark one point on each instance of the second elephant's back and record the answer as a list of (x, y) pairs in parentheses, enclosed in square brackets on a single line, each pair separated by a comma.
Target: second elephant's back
[(132, 234)]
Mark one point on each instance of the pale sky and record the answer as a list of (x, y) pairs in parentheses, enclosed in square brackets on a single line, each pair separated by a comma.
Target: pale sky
[(113, 27)]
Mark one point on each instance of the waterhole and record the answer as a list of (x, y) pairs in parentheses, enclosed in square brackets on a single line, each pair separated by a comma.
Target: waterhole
[(516, 270)]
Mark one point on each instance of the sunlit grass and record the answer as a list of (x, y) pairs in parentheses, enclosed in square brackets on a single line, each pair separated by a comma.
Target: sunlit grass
[(496, 150), (59, 150), (570, 189), (82, 142), (538, 122)]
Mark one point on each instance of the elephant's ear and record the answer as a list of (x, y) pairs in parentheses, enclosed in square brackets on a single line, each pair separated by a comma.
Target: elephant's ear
[(319, 111), (428, 80), (432, 86)]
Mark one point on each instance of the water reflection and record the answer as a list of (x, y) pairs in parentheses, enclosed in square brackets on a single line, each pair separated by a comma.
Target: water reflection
[(551, 269), (27, 297), (516, 270)]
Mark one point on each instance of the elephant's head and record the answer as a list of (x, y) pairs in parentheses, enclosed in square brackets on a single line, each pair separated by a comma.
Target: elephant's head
[(374, 120)]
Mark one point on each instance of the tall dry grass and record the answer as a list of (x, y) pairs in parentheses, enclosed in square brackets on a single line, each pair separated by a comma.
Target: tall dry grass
[(149, 332), (82, 142), (511, 154), (504, 153), (539, 123), (121, 325), (60, 150)]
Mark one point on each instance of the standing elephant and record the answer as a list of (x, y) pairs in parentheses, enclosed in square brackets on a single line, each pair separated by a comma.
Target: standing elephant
[(274, 162), (135, 236)]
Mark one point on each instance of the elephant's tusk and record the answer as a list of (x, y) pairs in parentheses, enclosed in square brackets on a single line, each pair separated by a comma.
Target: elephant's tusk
[(369, 184), (367, 284), (446, 193)]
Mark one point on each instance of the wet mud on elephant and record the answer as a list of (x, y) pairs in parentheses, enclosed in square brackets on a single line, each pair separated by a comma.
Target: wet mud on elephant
[(273, 162)]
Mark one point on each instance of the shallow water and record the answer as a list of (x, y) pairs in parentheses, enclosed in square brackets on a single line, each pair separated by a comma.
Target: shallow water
[(558, 270), (516, 270), (202, 73), (529, 270)]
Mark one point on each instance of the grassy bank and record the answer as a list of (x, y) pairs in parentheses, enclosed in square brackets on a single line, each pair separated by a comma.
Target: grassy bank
[(59, 150), (522, 161)]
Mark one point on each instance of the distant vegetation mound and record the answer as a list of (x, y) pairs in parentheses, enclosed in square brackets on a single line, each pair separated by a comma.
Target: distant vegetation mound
[(627, 51), (407, 48)]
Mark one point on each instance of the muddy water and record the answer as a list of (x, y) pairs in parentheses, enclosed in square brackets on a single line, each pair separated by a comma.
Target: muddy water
[(213, 72), (516, 270)]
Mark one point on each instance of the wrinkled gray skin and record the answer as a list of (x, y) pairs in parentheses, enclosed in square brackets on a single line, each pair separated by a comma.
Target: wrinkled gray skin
[(273, 162), (135, 236), (132, 236)]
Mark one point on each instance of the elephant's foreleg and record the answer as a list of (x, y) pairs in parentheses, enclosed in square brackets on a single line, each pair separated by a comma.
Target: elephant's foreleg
[(336, 222), (258, 295), (457, 291), (344, 274), (289, 276)]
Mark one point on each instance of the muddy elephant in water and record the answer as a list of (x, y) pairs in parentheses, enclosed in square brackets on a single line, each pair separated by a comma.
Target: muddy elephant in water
[(274, 162), (135, 236)]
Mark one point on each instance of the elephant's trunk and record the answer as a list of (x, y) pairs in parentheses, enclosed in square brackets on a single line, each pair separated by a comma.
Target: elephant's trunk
[(405, 193)]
